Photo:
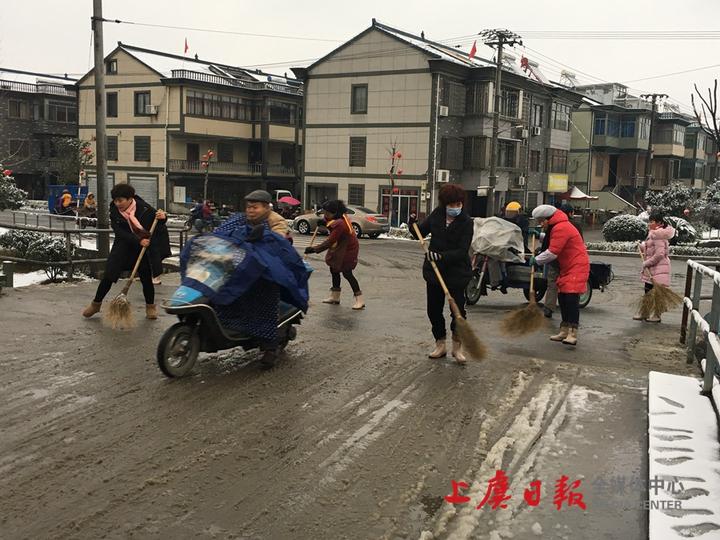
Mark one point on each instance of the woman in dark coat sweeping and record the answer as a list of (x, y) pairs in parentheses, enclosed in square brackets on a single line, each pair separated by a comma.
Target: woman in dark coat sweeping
[(131, 219), (342, 252), (452, 231)]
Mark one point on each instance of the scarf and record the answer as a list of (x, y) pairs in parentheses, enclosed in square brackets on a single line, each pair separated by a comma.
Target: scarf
[(133, 223)]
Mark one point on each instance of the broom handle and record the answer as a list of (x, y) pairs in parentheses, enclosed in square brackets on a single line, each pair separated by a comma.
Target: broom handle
[(532, 271), (453, 306), (312, 241), (139, 259)]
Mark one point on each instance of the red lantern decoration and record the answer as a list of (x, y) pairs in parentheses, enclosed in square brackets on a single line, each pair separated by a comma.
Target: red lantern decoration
[(204, 157), (210, 153), (398, 155), (204, 164), (7, 172), (400, 171), (396, 191)]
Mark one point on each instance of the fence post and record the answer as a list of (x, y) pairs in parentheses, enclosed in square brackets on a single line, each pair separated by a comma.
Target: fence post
[(25, 213), (9, 271), (697, 289), (37, 220), (68, 251), (711, 363), (686, 311), (14, 222)]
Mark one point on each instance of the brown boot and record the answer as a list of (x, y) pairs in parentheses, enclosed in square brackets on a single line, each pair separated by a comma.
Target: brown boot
[(571, 338), (151, 312), (440, 350), (457, 352), (92, 309), (564, 330), (334, 297)]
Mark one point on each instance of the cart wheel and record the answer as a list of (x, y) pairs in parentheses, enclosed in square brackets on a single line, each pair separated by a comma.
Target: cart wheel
[(178, 350), (539, 294), (473, 289), (586, 296)]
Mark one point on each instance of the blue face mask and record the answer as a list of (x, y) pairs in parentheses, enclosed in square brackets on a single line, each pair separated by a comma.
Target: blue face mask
[(453, 212)]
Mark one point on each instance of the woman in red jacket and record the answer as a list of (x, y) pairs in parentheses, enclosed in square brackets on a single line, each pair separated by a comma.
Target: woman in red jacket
[(342, 252), (567, 247)]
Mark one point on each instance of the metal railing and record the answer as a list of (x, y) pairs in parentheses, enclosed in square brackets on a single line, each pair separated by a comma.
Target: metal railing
[(46, 88), (231, 81), (281, 170), (182, 165), (696, 271)]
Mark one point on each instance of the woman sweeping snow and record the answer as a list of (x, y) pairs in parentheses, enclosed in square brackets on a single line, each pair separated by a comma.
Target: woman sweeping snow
[(655, 250)]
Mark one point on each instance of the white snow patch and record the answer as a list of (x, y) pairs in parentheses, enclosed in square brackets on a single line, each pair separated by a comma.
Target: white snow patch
[(31, 278), (537, 529), (688, 478)]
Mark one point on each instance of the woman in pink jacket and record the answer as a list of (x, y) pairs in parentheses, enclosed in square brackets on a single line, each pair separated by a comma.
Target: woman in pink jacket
[(656, 250)]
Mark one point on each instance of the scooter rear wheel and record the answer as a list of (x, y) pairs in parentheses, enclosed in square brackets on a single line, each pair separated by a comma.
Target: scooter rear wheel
[(178, 350)]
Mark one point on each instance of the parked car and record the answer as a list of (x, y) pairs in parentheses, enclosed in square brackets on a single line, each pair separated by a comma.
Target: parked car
[(364, 221)]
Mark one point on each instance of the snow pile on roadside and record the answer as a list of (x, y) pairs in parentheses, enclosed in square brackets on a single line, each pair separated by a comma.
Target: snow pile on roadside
[(684, 460)]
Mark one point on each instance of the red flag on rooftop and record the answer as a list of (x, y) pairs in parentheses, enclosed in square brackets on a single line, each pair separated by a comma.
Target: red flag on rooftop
[(186, 46), (473, 50)]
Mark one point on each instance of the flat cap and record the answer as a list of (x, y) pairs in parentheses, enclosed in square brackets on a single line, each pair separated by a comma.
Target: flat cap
[(258, 195)]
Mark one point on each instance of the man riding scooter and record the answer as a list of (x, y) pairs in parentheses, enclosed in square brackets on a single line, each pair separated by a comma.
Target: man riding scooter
[(496, 269)]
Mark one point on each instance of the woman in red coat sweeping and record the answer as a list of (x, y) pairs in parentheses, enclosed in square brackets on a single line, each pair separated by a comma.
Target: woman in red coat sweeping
[(567, 247), (342, 252)]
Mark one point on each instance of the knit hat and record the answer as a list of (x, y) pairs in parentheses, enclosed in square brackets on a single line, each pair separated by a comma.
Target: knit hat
[(258, 195), (544, 211)]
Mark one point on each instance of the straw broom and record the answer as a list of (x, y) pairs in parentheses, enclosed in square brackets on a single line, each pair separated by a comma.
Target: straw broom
[(659, 299), (528, 319), (475, 348), (119, 314)]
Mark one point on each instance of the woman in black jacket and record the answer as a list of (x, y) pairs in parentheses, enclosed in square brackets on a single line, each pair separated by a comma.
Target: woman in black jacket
[(452, 231), (131, 219)]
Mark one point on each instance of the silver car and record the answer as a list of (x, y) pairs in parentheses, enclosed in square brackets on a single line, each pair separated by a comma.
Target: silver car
[(364, 221)]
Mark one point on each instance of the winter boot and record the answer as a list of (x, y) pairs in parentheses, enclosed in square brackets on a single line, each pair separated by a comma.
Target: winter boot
[(440, 350), (334, 297), (151, 312), (638, 316), (457, 352), (359, 302), (571, 338), (92, 309), (564, 331), (654, 318), (268, 360)]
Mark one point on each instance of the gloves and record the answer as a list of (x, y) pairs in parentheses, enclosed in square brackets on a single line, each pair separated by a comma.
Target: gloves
[(256, 233), (433, 256), (532, 260), (534, 231), (309, 249)]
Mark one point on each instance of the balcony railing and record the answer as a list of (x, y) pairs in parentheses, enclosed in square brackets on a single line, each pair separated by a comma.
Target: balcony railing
[(281, 170), (182, 165), (29, 88), (231, 81)]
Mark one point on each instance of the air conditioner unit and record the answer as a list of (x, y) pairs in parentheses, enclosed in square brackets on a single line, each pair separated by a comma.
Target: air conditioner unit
[(522, 133), (151, 109), (442, 175), (521, 181), (444, 111), (536, 130)]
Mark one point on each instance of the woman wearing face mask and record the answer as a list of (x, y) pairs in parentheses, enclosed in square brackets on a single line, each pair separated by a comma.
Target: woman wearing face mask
[(452, 231)]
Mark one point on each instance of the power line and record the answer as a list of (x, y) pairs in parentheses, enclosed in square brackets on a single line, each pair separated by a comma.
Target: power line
[(673, 74)]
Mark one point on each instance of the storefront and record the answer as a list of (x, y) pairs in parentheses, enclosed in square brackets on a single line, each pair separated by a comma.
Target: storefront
[(404, 201)]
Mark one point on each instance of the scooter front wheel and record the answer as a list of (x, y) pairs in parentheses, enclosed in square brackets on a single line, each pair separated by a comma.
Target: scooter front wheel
[(178, 350)]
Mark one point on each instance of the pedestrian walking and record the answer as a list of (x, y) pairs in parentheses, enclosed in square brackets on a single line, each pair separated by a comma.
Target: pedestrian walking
[(567, 247), (656, 264), (342, 252), (131, 218), (452, 231)]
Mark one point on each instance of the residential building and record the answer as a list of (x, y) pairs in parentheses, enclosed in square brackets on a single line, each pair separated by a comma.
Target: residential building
[(164, 112), (388, 88), (610, 147), (35, 109)]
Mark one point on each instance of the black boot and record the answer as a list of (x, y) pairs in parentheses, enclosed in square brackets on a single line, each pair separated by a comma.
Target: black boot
[(268, 359)]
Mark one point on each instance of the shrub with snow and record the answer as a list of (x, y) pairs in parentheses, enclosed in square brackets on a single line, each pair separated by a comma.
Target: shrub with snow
[(631, 247), (49, 249), (17, 242), (673, 200), (624, 228), (11, 196)]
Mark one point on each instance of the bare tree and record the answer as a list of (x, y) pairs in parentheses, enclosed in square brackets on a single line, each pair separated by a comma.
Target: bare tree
[(707, 116)]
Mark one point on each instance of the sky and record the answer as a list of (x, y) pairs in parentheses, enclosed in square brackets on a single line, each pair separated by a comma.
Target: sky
[(54, 36)]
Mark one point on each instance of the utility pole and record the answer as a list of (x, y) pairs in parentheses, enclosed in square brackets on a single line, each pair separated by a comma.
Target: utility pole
[(499, 39), (103, 204), (648, 160)]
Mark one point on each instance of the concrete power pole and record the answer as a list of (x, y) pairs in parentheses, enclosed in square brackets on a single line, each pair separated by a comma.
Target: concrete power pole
[(103, 204), (498, 39), (648, 160)]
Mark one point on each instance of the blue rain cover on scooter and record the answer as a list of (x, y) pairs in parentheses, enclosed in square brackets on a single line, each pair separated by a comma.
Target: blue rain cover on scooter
[(226, 266)]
